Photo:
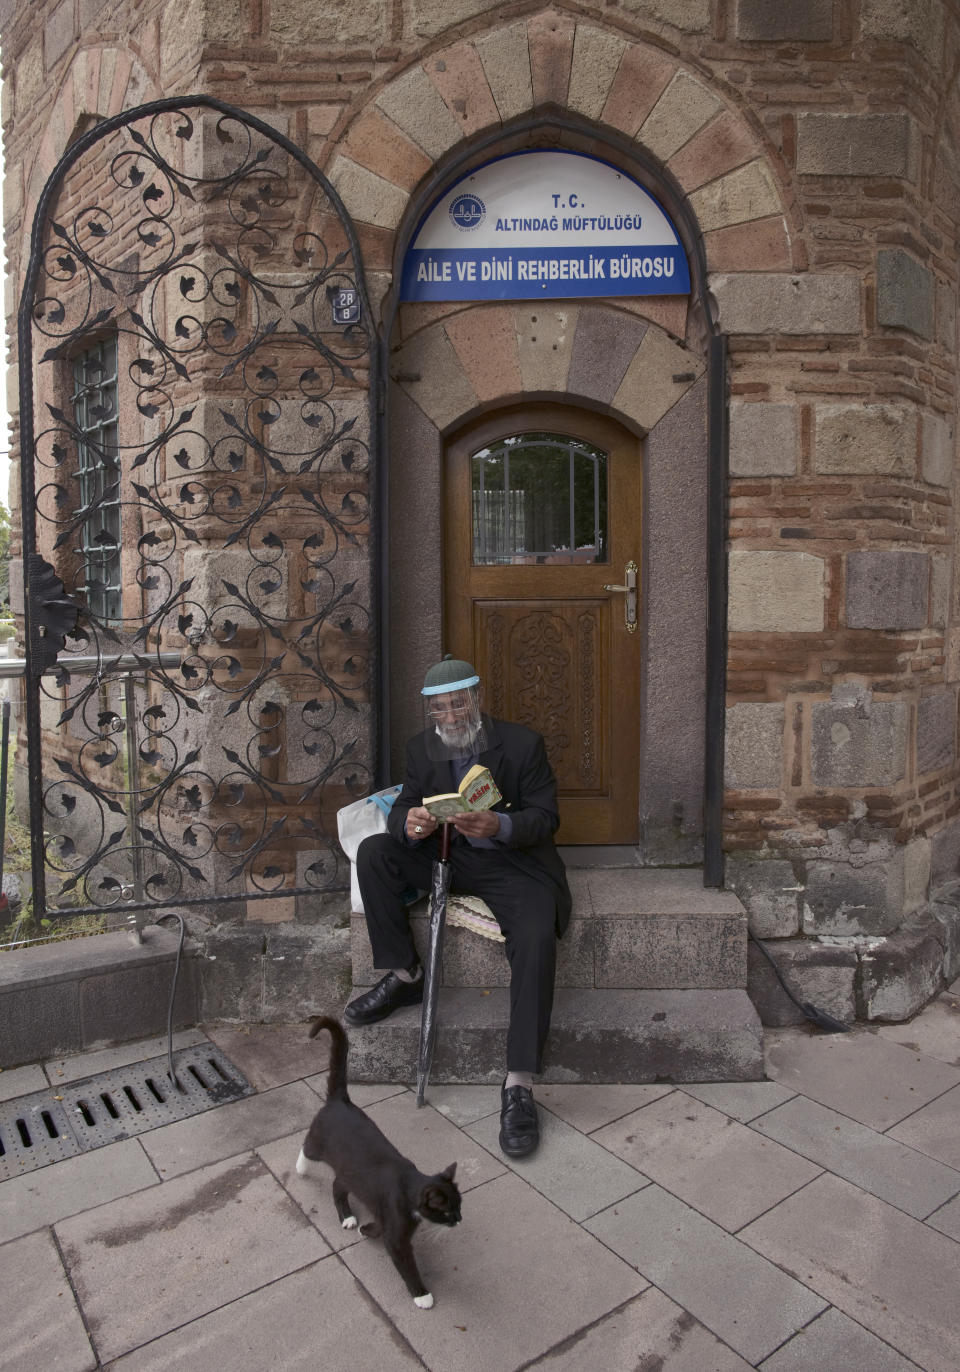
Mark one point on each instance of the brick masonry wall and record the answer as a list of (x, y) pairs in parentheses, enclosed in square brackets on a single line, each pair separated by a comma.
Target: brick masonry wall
[(816, 142)]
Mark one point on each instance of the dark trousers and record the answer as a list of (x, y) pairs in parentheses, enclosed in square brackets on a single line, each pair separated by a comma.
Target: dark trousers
[(524, 907)]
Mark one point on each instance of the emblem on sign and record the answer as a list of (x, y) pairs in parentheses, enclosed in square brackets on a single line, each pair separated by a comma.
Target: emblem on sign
[(345, 303), (468, 211)]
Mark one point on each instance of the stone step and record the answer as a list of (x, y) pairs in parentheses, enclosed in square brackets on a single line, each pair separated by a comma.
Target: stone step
[(634, 929), (595, 1036)]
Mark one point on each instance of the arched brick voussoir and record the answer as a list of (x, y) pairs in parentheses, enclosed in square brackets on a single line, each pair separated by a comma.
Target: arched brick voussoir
[(428, 369), (720, 146), (659, 375), (369, 198), (745, 194), (641, 79), (414, 104), (486, 343), (760, 245), (597, 54), (462, 83), (376, 143), (551, 36)]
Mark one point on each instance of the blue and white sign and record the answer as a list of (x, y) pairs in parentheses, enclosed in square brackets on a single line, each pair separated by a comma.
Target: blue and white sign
[(544, 226)]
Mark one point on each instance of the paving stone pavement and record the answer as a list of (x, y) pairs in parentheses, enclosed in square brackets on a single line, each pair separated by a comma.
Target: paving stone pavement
[(807, 1223)]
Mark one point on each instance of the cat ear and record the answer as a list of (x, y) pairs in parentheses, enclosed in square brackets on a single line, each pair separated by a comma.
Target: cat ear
[(449, 1171)]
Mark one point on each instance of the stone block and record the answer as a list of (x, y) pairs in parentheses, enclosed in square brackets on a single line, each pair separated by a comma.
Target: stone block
[(720, 146), (671, 952), (230, 973), (505, 54), (545, 334), (947, 315), (754, 747), (429, 17), (429, 370), (945, 855), (845, 900), (941, 572), (417, 108), (919, 23), (868, 440), (771, 302), (953, 655), (916, 873), (648, 389), (887, 589), (30, 77), (344, 22), (770, 892), (691, 16), (858, 741), (936, 449), (936, 732), (771, 21), (683, 108), (33, 1027), (133, 1003), (368, 197), (945, 910), (901, 973), (605, 344), (905, 293), (772, 592), (306, 971), (763, 245), (764, 439), (746, 193), (58, 33), (596, 57), (858, 145), (817, 974)]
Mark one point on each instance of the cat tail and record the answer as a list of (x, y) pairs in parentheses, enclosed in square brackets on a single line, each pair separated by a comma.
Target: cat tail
[(337, 1074)]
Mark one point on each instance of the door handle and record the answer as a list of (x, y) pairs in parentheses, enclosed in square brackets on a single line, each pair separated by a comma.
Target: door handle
[(629, 589)]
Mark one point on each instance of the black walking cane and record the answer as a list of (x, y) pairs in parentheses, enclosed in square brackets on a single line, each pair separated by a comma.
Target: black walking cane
[(431, 974)]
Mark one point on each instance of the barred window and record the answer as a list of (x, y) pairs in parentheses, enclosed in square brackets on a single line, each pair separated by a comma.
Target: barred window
[(98, 474)]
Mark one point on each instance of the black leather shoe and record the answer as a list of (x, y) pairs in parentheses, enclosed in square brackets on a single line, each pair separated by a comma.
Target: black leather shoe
[(519, 1126), (381, 1000)]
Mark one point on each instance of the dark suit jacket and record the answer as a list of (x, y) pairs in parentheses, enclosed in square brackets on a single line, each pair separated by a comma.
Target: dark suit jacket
[(517, 759)]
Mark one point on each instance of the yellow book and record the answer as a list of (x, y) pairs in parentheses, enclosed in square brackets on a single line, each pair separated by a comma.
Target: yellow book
[(477, 791)]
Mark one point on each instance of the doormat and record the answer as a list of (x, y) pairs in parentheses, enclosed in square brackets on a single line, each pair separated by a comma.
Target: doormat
[(63, 1121)]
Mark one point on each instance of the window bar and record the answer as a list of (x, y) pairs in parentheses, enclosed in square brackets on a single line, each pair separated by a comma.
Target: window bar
[(133, 775), (570, 478), (510, 545)]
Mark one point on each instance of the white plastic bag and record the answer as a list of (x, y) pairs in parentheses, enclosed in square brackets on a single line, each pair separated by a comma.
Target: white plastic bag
[(358, 821)]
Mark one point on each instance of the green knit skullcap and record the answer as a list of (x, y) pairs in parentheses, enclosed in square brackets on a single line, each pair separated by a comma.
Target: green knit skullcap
[(452, 674)]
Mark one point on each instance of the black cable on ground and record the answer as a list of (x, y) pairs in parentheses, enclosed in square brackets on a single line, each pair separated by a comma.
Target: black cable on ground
[(173, 995), (818, 1017)]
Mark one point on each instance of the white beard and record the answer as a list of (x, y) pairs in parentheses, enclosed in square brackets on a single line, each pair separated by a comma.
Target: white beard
[(458, 737)]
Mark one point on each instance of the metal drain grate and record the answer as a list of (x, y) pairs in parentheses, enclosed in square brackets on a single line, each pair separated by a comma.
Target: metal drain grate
[(63, 1121)]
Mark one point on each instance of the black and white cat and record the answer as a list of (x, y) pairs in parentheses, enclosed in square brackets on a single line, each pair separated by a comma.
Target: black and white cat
[(366, 1165)]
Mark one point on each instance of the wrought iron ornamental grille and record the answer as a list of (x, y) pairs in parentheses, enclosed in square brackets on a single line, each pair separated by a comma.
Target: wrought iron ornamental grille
[(197, 366)]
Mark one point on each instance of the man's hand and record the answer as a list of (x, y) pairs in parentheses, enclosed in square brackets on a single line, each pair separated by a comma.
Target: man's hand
[(477, 824), (420, 823)]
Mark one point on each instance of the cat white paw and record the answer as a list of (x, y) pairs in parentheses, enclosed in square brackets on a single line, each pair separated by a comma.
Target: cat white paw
[(303, 1164), (349, 1223), (424, 1302)]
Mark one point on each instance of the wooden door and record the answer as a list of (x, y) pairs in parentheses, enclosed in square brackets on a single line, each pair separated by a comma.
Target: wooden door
[(543, 514)]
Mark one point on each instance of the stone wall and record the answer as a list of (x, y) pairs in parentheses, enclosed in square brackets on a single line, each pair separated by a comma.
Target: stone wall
[(816, 143)]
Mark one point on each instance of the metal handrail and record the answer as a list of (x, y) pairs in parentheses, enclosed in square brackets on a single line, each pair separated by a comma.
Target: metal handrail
[(124, 662)]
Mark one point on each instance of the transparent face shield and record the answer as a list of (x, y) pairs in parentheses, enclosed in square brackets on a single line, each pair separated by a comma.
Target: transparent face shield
[(453, 724)]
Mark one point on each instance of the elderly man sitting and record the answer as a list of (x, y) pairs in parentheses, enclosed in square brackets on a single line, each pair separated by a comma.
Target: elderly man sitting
[(504, 855)]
